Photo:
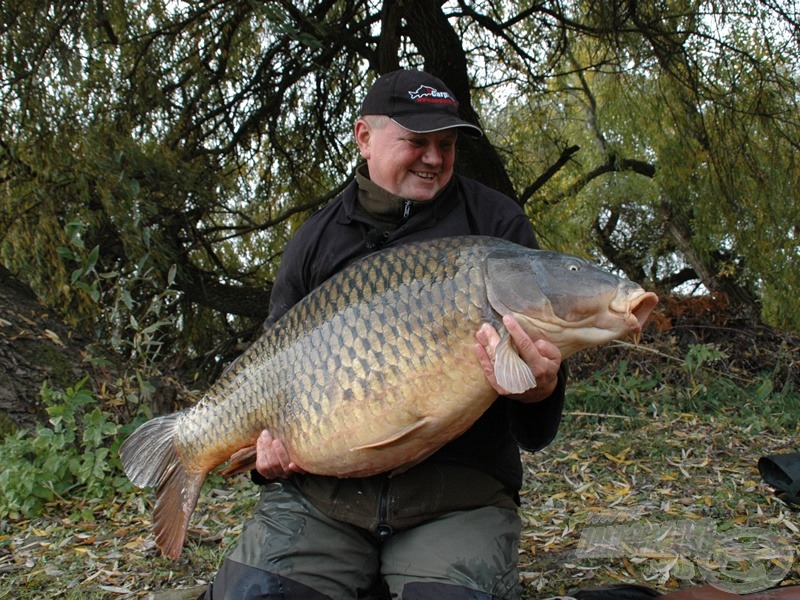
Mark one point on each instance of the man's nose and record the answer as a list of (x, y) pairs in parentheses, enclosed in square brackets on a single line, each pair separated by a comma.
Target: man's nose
[(432, 155)]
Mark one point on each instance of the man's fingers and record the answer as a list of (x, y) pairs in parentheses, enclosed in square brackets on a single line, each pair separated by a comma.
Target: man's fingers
[(272, 458), (525, 345), (488, 337), (548, 350), (542, 357)]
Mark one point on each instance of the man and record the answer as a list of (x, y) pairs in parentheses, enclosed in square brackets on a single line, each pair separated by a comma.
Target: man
[(448, 527)]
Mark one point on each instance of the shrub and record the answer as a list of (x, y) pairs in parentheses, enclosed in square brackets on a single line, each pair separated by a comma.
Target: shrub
[(75, 454)]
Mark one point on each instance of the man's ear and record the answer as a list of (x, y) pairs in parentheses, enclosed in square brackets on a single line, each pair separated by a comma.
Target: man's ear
[(362, 133)]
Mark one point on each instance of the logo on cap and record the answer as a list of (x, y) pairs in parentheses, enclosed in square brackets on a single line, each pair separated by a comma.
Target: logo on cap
[(426, 93)]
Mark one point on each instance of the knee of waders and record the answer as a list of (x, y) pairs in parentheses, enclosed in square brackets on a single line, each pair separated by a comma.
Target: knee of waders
[(442, 591), (236, 581)]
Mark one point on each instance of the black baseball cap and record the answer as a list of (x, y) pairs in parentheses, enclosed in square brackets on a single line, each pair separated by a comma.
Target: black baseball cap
[(416, 101)]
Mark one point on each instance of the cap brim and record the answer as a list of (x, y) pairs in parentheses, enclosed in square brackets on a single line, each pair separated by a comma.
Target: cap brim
[(417, 124)]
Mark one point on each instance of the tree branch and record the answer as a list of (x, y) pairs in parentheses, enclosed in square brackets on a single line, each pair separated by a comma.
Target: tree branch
[(564, 158)]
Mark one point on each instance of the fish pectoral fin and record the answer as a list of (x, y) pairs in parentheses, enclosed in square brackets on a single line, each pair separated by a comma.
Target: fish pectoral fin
[(510, 370), (400, 435), (241, 461)]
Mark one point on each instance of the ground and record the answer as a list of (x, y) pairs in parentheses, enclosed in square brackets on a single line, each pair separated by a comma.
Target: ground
[(35, 346), (602, 472), (652, 479)]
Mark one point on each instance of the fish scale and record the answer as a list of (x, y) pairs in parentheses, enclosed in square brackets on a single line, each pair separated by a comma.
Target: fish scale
[(376, 369)]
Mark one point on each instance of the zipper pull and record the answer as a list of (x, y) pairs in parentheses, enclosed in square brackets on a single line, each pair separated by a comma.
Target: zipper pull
[(406, 210), (384, 531)]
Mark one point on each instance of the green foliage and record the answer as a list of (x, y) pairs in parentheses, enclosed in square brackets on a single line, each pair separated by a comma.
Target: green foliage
[(135, 309), (87, 262), (687, 138), (74, 455), (692, 384), (619, 392), (152, 146)]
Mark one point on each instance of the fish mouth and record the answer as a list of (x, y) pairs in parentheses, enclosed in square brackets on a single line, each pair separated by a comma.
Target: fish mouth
[(638, 311)]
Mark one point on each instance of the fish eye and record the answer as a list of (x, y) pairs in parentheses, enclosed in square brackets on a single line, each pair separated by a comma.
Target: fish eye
[(573, 267)]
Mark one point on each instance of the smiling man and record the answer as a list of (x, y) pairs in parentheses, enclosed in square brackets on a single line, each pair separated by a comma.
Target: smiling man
[(414, 166), (408, 135), (446, 529)]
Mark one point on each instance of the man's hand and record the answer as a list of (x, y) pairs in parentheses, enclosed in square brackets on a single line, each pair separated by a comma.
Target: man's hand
[(272, 459), (542, 358)]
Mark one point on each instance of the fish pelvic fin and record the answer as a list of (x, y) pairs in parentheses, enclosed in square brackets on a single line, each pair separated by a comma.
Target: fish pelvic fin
[(510, 370), (150, 459)]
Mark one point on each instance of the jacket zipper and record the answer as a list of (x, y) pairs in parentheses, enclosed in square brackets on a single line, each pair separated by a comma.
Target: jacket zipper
[(384, 529)]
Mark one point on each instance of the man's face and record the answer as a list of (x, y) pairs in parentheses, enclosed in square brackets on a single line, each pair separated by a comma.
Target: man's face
[(411, 165)]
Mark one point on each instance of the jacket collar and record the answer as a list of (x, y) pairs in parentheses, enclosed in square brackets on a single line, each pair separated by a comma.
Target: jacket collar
[(424, 214)]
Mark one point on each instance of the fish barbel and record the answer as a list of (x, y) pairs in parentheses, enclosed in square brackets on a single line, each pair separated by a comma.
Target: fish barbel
[(376, 369)]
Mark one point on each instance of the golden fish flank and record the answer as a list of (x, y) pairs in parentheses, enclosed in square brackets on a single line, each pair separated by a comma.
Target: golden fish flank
[(376, 370)]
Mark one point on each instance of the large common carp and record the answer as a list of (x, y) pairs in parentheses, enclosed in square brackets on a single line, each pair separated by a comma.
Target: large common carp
[(376, 369)]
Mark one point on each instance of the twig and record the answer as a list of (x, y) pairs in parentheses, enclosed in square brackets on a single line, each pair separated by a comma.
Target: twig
[(577, 413)]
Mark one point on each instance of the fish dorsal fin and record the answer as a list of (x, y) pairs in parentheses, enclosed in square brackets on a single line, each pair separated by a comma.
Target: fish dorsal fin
[(510, 370), (400, 435)]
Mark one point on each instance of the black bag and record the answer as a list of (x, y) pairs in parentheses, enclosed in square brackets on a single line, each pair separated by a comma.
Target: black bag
[(625, 591), (782, 472)]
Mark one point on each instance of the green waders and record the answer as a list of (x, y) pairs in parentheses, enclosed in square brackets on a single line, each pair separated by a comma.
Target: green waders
[(293, 549)]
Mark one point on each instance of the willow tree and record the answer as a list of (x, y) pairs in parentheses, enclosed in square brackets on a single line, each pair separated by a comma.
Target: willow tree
[(157, 155), (680, 131)]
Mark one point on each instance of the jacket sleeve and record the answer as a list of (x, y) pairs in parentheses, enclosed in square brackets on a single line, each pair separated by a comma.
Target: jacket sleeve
[(535, 425), (290, 286), (520, 231)]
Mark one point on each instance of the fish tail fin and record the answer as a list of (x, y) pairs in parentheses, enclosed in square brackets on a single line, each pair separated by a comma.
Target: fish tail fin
[(175, 502), (150, 459)]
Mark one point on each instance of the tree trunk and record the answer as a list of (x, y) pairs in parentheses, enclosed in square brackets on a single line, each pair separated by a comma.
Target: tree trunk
[(34, 348), (431, 32)]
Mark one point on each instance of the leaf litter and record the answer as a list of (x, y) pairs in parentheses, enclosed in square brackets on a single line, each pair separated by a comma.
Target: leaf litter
[(671, 471), (668, 470), (638, 479)]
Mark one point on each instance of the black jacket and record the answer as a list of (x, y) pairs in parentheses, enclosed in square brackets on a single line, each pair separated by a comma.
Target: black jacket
[(340, 233)]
